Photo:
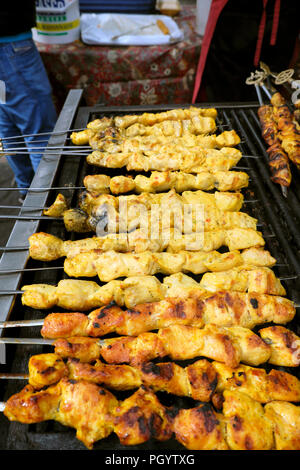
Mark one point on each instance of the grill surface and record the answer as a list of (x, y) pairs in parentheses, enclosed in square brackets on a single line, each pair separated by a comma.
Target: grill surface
[(281, 230)]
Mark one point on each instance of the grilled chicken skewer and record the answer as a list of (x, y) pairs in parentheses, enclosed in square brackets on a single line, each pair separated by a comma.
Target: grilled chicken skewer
[(278, 159), (189, 161), (84, 295), (176, 123), (160, 181), (47, 247), (234, 273), (112, 141), (200, 380), (103, 414), (192, 211), (230, 345), (222, 308), (288, 130)]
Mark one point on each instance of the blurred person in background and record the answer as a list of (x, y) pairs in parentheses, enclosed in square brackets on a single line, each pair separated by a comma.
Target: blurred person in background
[(28, 107), (238, 35)]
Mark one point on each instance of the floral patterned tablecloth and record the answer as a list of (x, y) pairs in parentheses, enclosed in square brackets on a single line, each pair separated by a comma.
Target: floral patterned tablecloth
[(115, 75)]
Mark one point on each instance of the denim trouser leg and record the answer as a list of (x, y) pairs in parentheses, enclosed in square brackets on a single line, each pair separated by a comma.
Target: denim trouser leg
[(28, 108)]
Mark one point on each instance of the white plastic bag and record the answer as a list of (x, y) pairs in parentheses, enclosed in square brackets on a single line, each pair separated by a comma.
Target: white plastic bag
[(136, 30)]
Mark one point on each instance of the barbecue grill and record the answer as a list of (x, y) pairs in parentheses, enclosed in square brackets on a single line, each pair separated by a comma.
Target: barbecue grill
[(279, 217)]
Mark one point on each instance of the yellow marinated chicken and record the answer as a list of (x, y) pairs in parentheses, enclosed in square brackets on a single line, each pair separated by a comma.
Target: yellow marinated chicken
[(191, 211), (238, 277), (243, 279), (131, 291), (193, 125), (114, 142), (200, 428), (243, 423), (230, 345), (258, 384), (110, 265), (285, 418), (45, 370), (188, 161), (84, 295), (160, 181), (247, 426), (47, 247), (197, 380), (141, 417), (223, 309), (201, 380), (65, 402), (58, 208), (224, 201), (286, 345), (149, 119)]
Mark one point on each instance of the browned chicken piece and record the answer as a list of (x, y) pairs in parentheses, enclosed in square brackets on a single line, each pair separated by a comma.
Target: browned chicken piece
[(46, 369), (285, 418), (76, 220), (278, 159), (160, 181), (257, 383), (140, 417), (243, 279), (95, 413), (286, 351), (243, 425), (58, 208), (226, 309), (247, 427), (230, 345), (288, 131), (47, 247), (189, 161), (202, 380), (200, 428), (81, 405)]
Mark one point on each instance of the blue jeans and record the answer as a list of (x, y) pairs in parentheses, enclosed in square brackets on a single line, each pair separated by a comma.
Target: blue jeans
[(28, 107)]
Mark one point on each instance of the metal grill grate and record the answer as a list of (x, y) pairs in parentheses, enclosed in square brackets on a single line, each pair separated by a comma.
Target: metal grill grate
[(281, 229)]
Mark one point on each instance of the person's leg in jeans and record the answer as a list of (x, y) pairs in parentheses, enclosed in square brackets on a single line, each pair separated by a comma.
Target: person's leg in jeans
[(29, 103), (20, 164)]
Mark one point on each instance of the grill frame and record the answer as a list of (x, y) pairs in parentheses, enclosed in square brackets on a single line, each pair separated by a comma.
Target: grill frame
[(277, 232)]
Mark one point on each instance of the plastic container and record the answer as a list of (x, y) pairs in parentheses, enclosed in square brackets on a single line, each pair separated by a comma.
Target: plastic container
[(57, 21), (202, 12)]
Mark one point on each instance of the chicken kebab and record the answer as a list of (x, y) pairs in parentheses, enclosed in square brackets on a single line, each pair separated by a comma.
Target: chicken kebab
[(201, 380), (95, 413), (190, 211), (160, 181), (282, 134)]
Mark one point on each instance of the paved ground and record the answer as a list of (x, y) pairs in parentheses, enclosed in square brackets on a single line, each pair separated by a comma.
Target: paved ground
[(6, 198)]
